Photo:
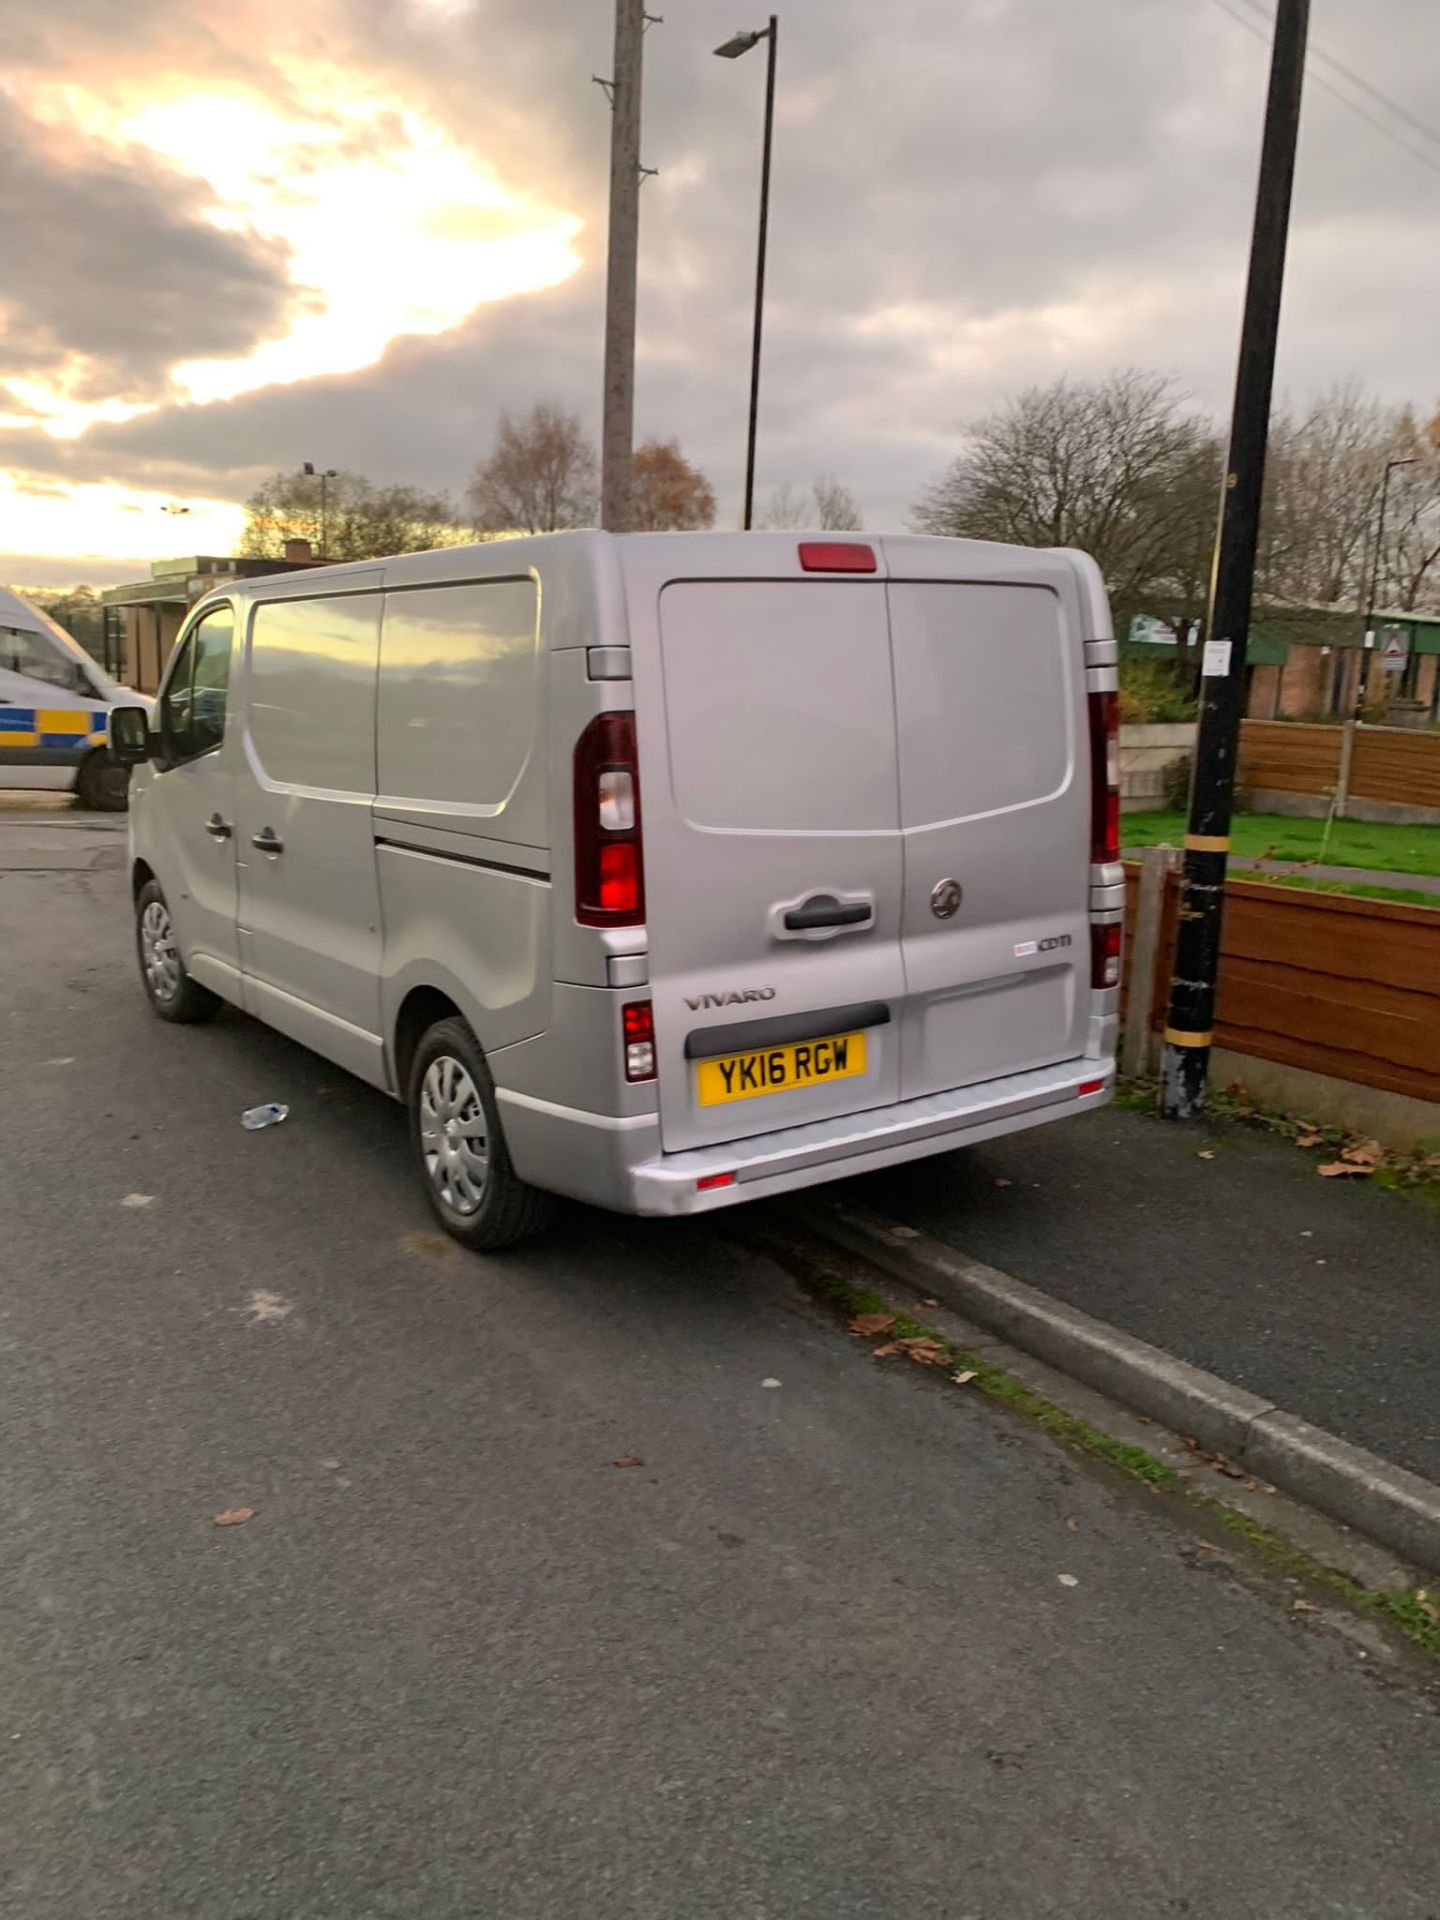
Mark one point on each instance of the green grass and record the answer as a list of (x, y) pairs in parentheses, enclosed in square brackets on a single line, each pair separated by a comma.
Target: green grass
[(1275, 836)]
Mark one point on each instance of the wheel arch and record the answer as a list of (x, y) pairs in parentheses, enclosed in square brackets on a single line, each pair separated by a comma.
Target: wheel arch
[(422, 1006)]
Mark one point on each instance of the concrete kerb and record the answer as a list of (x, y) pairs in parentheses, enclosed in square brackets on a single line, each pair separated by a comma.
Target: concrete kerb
[(1385, 1502)]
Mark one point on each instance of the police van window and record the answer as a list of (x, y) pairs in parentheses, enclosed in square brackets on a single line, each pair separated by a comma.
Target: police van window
[(192, 709), (32, 655)]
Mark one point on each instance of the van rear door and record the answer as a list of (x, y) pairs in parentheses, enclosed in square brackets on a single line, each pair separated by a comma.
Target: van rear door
[(994, 771), (765, 712)]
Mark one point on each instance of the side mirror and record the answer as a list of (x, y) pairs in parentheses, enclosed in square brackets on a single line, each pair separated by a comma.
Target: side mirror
[(128, 731)]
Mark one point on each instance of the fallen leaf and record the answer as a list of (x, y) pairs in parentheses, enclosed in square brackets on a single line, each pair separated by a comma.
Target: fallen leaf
[(138, 1200), (924, 1352), (1342, 1169), (1004, 1183), (769, 1381), (1368, 1153), (1208, 1546), (1228, 1468), (1205, 1153), (629, 1460), (1303, 1606), (929, 1303), (884, 1353), (234, 1516), (905, 1233), (1310, 1140), (1073, 1525), (1067, 1579), (963, 1379), (872, 1323), (1426, 1604)]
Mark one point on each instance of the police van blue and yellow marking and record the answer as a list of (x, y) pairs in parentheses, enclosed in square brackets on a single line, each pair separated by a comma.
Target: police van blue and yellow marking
[(56, 733)]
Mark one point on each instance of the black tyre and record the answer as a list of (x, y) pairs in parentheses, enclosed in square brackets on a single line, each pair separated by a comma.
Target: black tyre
[(169, 988), (102, 783), (459, 1146)]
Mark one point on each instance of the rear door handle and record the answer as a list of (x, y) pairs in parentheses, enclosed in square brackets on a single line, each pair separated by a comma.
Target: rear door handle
[(268, 841), (217, 828), (826, 911), (821, 915)]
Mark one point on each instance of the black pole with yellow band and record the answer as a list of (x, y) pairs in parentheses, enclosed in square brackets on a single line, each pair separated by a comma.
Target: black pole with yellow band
[(1188, 1030)]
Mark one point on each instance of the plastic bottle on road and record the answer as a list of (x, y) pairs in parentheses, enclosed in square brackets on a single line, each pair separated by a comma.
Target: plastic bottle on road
[(269, 1115)]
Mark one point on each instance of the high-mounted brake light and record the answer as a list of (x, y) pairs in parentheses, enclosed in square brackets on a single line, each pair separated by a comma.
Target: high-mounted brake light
[(1104, 779), (609, 859), (836, 556), (1105, 949), (637, 1023)]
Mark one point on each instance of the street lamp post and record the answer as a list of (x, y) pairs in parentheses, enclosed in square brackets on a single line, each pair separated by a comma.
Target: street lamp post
[(324, 476), (1367, 640), (733, 48)]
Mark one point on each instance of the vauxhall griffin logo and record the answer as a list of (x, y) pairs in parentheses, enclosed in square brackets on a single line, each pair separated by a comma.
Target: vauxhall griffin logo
[(704, 1000)]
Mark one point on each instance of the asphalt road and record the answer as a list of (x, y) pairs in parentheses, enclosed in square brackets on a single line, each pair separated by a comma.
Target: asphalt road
[(815, 1657)]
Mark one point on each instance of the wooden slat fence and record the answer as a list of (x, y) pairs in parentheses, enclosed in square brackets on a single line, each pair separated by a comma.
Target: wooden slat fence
[(1336, 985)]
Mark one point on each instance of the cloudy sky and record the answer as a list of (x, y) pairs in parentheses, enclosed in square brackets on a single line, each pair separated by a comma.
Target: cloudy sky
[(240, 234)]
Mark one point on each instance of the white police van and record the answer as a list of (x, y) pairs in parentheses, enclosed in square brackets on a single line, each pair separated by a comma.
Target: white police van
[(54, 702)]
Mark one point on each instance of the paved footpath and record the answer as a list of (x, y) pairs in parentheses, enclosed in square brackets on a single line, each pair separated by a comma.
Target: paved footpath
[(1350, 876), (846, 1645), (1219, 1244)]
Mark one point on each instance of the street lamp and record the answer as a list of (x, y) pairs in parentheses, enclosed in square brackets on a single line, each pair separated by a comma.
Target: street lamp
[(1367, 645), (737, 44), (325, 474)]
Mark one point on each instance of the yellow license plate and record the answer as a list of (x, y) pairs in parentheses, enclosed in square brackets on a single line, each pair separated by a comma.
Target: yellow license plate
[(801, 1063)]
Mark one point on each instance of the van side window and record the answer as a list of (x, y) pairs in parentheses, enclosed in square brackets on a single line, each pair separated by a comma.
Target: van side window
[(32, 655), (311, 690), (192, 707), (459, 687)]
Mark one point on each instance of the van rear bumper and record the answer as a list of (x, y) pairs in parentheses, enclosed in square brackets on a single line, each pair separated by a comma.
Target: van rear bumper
[(618, 1163)]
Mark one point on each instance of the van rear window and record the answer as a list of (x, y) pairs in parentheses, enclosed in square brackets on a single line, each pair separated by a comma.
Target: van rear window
[(985, 697), (779, 704)]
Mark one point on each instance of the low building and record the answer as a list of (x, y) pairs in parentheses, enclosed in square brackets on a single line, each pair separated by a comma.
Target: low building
[(142, 618), (1304, 663)]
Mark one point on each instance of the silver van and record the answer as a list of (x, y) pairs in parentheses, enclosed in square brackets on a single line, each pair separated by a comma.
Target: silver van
[(662, 871)]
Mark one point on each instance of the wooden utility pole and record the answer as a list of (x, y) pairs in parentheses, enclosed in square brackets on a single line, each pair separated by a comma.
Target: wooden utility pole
[(617, 438), (1189, 1029)]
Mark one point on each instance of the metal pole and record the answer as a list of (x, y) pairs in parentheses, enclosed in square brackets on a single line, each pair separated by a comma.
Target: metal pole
[(772, 34), (324, 503), (1188, 1032), (1367, 643), (617, 439)]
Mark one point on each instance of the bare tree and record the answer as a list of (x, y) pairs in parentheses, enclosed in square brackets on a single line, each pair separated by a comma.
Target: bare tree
[(542, 475), (670, 495), (1116, 466), (362, 521), (785, 507), (836, 509), (1322, 471), (1410, 559)]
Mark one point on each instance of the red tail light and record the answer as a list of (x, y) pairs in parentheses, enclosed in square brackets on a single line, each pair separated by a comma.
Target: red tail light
[(609, 859), (836, 556), (1105, 950), (637, 1021), (1104, 779)]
